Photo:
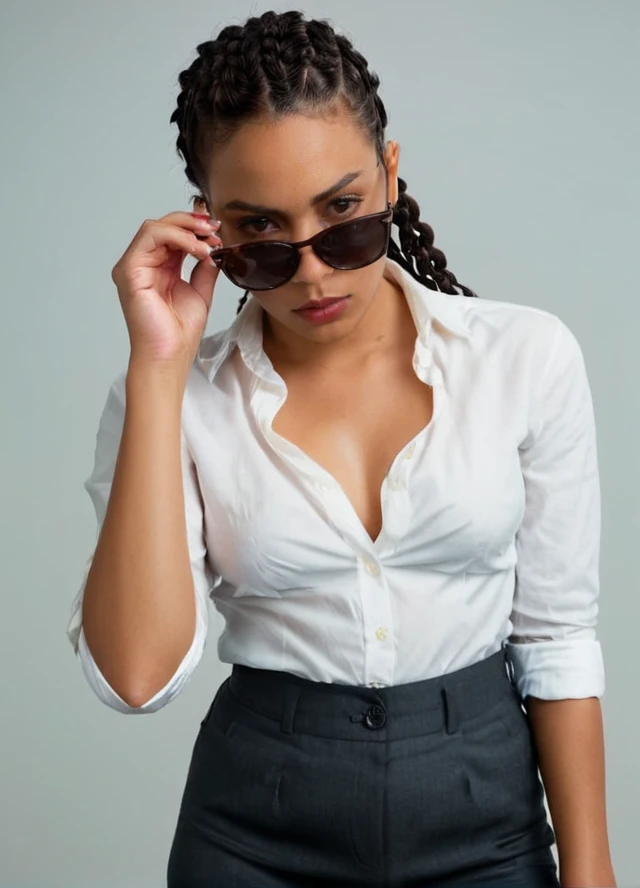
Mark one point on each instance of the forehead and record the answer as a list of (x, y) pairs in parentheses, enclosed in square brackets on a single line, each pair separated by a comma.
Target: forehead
[(269, 161)]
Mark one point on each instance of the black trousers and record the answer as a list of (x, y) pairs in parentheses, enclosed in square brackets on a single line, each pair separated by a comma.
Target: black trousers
[(300, 783)]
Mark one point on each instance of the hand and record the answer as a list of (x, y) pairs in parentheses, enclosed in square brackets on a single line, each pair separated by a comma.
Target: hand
[(165, 314)]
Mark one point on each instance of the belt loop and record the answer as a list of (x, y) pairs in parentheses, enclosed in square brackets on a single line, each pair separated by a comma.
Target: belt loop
[(451, 715), (291, 694)]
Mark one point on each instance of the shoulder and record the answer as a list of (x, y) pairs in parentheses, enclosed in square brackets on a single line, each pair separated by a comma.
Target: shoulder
[(499, 316), (516, 329)]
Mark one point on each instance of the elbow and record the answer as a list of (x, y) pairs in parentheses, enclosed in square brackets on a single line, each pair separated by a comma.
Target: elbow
[(131, 696), (141, 688), (146, 695), (127, 698), (137, 700), (131, 700), (149, 696)]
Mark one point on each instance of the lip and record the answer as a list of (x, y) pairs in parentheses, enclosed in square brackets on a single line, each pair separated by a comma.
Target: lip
[(323, 311), (319, 303)]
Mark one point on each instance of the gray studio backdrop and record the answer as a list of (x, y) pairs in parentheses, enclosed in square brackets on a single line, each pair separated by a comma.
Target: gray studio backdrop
[(519, 132)]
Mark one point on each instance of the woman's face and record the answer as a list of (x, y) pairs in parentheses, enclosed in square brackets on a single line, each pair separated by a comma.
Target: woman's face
[(287, 180)]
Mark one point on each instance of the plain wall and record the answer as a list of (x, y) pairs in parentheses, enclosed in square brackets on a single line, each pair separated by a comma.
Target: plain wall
[(519, 131)]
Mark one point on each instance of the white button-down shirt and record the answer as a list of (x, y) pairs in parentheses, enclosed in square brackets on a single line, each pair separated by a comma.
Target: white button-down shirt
[(491, 514)]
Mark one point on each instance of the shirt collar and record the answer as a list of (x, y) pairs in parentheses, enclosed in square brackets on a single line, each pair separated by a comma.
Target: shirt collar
[(427, 306)]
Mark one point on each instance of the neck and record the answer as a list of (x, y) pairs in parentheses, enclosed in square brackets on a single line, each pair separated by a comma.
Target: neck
[(387, 324)]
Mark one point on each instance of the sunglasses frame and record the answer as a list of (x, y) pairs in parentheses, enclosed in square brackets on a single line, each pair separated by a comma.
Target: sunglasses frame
[(218, 254)]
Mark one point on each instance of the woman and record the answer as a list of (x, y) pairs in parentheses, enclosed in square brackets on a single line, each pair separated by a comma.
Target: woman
[(388, 488)]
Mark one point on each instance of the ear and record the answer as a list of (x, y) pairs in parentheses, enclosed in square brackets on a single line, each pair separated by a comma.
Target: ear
[(391, 161)]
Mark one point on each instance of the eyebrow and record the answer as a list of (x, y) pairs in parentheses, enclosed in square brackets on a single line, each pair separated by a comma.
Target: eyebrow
[(318, 198)]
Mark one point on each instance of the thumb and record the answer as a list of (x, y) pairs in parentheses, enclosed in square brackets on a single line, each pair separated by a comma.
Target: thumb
[(203, 279)]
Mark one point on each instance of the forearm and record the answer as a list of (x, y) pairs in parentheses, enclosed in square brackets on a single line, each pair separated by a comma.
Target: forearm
[(138, 605), (569, 739)]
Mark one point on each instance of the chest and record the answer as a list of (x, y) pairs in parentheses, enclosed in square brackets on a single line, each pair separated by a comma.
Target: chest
[(461, 497), (354, 428)]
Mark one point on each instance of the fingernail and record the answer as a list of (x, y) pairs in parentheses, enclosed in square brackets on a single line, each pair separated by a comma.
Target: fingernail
[(207, 220)]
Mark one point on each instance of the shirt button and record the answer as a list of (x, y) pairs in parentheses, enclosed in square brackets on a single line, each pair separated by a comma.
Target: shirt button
[(381, 633), (410, 451), (377, 684), (371, 568), (396, 484)]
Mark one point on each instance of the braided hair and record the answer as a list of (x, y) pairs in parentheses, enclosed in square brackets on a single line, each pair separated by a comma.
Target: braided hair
[(280, 64)]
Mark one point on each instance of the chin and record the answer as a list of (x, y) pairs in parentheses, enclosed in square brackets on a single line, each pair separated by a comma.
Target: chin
[(327, 332)]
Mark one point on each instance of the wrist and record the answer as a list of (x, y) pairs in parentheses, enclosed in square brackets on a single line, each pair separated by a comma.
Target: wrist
[(168, 380)]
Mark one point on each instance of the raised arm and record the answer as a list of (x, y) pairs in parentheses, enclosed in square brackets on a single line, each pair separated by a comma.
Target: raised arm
[(140, 617)]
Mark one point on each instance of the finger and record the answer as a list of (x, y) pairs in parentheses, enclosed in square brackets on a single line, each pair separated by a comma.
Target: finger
[(192, 221), (203, 278), (154, 236)]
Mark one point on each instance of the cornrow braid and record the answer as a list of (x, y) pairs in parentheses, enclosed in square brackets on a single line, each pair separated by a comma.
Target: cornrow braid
[(416, 246), (281, 64)]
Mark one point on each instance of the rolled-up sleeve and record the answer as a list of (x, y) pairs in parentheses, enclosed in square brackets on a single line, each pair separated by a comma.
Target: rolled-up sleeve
[(553, 645), (98, 486)]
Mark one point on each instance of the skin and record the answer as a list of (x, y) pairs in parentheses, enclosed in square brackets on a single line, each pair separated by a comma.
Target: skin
[(285, 178), (330, 371), (371, 344)]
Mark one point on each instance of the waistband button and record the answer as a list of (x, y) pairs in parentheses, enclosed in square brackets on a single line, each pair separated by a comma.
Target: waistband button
[(376, 717)]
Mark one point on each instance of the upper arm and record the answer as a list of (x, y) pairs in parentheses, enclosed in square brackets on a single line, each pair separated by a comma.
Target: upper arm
[(555, 608)]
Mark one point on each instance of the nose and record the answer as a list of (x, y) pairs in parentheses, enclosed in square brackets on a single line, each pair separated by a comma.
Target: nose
[(312, 269)]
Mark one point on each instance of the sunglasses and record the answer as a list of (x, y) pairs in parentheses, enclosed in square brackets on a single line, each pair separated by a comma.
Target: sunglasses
[(270, 264)]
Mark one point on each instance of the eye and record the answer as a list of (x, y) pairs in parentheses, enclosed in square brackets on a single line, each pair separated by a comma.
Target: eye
[(253, 224), (345, 203)]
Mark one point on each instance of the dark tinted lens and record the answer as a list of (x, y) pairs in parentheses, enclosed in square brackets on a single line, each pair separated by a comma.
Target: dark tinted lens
[(354, 244), (261, 266)]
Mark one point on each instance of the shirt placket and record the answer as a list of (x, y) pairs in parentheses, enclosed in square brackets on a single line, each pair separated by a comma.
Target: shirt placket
[(328, 496)]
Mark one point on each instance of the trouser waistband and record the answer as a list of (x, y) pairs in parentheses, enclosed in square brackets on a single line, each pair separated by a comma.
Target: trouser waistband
[(335, 710)]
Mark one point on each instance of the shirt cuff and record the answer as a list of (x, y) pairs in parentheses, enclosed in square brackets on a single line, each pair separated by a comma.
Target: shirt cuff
[(558, 670), (174, 686)]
